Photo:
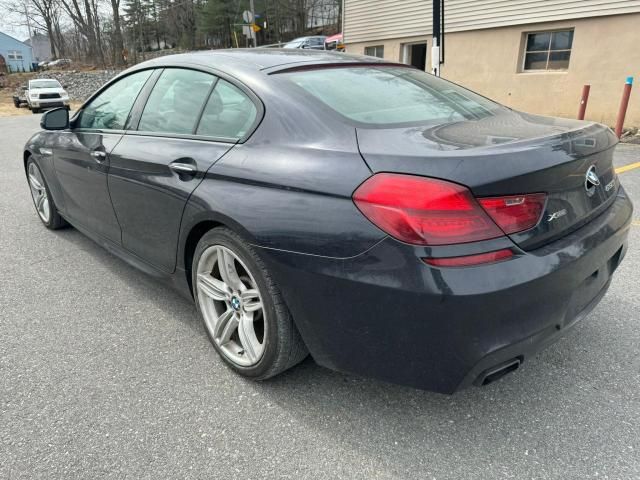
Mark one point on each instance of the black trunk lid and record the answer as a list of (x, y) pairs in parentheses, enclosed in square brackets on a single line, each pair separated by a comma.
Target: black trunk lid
[(507, 154)]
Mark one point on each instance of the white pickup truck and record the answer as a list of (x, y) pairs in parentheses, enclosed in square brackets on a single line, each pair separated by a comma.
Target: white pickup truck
[(43, 93)]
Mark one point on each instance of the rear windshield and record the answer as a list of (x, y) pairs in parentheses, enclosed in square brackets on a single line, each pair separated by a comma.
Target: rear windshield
[(379, 95)]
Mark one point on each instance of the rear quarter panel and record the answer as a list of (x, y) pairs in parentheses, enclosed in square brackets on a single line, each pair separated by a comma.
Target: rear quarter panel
[(287, 198)]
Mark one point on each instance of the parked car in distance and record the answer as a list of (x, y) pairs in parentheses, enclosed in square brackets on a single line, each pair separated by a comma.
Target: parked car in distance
[(20, 96), (334, 42), (45, 93), (59, 63), (311, 43), (400, 226)]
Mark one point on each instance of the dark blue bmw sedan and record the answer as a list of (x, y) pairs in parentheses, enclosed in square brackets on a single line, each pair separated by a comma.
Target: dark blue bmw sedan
[(389, 223)]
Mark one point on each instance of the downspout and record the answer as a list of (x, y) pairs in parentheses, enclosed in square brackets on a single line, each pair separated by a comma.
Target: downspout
[(344, 8)]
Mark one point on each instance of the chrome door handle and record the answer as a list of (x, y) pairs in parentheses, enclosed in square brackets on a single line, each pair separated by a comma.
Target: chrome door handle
[(99, 155), (183, 168)]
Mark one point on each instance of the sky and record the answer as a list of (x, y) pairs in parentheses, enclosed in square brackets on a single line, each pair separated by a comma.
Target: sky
[(10, 24)]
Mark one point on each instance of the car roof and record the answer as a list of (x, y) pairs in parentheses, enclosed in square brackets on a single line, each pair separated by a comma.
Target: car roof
[(256, 59)]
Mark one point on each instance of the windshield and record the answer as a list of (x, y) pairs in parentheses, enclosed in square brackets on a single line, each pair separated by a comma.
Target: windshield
[(383, 95), (44, 84), (297, 43)]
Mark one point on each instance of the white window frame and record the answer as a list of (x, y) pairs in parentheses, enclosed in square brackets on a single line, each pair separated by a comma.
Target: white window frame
[(405, 49), (375, 48), (549, 50), (15, 55)]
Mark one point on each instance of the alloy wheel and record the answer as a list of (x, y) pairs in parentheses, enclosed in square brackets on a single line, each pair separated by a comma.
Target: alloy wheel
[(39, 193), (231, 304)]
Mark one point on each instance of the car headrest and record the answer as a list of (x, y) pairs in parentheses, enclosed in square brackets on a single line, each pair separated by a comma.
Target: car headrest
[(215, 105)]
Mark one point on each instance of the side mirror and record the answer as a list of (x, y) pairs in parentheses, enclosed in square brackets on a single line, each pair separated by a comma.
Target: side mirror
[(56, 119), (305, 45), (25, 88)]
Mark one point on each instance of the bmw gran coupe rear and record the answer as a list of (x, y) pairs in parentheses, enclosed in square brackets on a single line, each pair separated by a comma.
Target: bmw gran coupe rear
[(390, 223)]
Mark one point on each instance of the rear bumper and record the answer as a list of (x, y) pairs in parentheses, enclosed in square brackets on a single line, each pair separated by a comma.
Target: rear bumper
[(388, 315)]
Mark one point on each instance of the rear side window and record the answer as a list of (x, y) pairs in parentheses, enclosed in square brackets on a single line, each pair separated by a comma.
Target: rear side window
[(110, 109), (229, 113), (392, 95), (176, 101)]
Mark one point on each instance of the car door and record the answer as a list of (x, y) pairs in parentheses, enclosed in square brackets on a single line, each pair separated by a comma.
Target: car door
[(81, 156), (190, 120)]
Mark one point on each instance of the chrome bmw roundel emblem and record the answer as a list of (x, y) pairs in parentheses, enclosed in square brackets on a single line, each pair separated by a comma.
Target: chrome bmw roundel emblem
[(235, 303), (591, 180)]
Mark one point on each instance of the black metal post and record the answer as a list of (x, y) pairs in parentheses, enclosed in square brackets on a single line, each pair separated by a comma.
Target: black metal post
[(442, 27), (435, 47)]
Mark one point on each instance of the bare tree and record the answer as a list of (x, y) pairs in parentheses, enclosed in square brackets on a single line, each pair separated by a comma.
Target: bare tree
[(84, 20), (97, 30)]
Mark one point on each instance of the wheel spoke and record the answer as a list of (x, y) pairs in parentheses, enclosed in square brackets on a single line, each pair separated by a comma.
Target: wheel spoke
[(42, 205), (45, 207), (225, 326), (34, 182), (228, 272), (213, 288), (248, 338), (251, 300)]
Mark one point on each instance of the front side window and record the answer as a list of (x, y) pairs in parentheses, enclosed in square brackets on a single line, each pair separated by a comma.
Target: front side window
[(110, 109), (176, 101), (229, 113), (392, 95), (375, 51), (548, 50)]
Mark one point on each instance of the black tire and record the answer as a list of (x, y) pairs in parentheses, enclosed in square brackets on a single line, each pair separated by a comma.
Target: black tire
[(284, 346), (55, 221), (35, 110)]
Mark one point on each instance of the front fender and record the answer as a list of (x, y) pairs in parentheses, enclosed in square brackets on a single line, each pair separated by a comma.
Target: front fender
[(41, 147)]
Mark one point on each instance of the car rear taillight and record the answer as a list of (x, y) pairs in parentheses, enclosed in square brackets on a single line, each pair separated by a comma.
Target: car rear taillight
[(424, 211), (515, 213)]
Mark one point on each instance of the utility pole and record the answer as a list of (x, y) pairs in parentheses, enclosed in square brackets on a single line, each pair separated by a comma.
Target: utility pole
[(435, 49), (254, 35), (26, 14)]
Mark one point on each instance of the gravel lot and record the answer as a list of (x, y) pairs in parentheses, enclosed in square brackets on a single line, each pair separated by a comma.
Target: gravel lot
[(106, 374)]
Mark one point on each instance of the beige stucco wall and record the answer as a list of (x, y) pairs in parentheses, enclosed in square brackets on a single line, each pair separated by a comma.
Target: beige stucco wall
[(605, 51)]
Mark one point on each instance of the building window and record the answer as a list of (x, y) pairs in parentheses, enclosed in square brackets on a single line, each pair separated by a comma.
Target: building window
[(15, 55), (375, 51), (548, 50)]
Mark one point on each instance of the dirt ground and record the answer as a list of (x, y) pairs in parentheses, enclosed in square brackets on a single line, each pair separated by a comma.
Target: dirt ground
[(7, 109), (11, 83)]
